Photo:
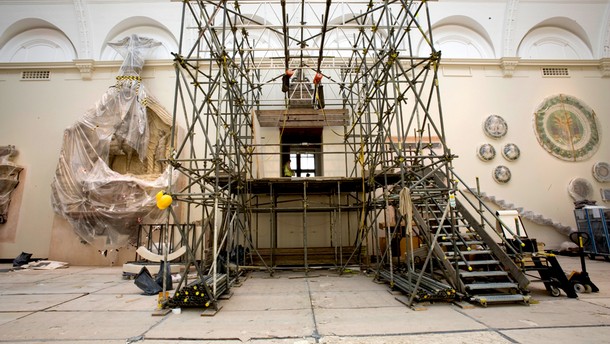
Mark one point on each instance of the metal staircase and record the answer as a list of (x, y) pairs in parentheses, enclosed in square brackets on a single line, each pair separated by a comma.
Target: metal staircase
[(468, 256)]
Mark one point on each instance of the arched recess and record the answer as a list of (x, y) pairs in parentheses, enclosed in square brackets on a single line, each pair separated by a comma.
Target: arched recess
[(344, 30), (35, 40), (556, 38), (264, 41), (145, 27), (459, 37)]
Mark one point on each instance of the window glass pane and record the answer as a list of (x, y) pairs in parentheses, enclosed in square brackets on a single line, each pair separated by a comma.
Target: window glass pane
[(307, 161), (293, 161)]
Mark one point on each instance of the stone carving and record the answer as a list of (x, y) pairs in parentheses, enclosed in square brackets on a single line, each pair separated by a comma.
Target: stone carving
[(160, 151), (9, 179), (123, 158)]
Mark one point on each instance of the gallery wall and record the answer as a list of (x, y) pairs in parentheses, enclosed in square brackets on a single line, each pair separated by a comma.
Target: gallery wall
[(539, 181), (489, 79)]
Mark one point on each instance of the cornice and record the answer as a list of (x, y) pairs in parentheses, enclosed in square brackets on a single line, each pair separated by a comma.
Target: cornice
[(508, 65), (78, 64), (523, 62)]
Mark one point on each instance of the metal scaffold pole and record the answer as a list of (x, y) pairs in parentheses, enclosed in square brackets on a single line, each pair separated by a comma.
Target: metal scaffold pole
[(374, 61)]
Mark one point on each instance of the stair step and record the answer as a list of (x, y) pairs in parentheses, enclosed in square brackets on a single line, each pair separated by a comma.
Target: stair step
[(494, 285), (460, 225), (479, 262), (486, 299), (471, 252), (459, 242), (461, 235), (459, 222), (467, 274)]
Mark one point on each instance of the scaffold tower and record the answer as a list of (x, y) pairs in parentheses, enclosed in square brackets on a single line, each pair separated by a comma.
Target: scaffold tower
[(365, 73)]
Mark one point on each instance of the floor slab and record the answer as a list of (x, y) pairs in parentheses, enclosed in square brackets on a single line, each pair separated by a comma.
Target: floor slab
[(600, 301), (267, 302), (104, 302), (65, 326), (354, 299), (592, 335), (236, 325), (96, 305), (557, 312), (392, 320), (35, 302), (474, 337), (55, 287), (7, 317)]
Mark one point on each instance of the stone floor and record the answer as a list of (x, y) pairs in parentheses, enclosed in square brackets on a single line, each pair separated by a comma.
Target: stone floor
[(83, 304)]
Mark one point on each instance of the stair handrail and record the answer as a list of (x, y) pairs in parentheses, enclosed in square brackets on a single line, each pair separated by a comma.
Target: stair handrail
[(508, 245), (498, 251)]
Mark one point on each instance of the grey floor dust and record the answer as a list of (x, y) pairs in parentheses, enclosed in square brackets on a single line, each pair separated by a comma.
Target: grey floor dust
[(83, 304)]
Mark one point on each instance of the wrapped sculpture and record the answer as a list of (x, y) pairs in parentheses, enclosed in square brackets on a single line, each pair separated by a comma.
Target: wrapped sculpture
[(111, 163), (9, 179)]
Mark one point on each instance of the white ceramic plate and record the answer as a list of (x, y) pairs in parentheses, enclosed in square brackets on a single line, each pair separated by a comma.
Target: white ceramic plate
[(495, 126), (486, 152), (580, 189), (501, 174), (601, 172), (511, 152)]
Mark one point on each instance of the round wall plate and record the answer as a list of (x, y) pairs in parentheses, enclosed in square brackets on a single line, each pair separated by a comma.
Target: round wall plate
[(495, 126), (501, 174), (511, 152), (580, 189), (601, 172), (567, 128), (486, 152)]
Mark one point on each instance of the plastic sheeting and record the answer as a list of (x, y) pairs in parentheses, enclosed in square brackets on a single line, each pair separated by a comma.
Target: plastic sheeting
[(9, 178), (105, 207)]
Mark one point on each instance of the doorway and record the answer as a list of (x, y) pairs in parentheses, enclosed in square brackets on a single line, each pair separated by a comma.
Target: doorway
[(303, 147)]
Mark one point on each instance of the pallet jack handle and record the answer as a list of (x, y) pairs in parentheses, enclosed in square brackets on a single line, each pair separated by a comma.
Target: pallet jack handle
[(581, 239)]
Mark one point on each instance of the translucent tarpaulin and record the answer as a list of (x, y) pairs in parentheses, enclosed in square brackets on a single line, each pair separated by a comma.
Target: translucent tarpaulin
[(9, 178), (103, 206)]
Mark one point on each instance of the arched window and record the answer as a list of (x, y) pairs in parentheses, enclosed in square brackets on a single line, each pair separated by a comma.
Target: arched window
[(553, 43), (457, 41), (252, 28), (38, 45), (144, 27)]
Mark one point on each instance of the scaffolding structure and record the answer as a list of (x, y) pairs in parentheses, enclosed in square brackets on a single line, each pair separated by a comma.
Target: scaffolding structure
[(372, 62)]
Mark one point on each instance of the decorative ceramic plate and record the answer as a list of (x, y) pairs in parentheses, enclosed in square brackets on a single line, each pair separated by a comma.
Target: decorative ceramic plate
[(567, 128), (495, 126), (601, 172), (486, 152), (580, 189), (511, 152), (501, 174)]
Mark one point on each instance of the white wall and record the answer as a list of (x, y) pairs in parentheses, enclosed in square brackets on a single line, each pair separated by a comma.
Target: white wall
[(33, 114), (539, 180), (33, 117)]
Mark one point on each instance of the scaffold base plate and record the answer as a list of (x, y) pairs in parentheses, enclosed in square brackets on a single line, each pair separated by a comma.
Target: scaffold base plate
[(210, 312), (160, 312)]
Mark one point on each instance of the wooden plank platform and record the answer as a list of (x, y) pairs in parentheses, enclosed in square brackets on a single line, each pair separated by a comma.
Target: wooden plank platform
[(314, 185), (302, 118)]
